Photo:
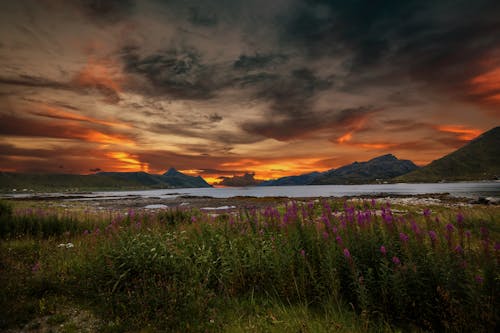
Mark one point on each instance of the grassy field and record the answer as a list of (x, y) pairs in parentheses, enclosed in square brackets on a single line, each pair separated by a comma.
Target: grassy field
[(318, 266)]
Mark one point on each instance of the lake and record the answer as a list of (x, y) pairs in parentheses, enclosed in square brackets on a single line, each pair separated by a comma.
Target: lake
[(458, 189)]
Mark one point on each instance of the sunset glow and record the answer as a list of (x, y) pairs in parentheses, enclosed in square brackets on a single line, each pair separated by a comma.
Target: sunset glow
[(464, 133), (220, 90)]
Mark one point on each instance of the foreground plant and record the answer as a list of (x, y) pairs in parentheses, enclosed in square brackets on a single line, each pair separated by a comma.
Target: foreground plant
[(180, 269)]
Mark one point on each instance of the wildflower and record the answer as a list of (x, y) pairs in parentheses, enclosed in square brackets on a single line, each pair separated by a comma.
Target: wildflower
[(339, 240), (468, 234), (325, 235), (459, 249), (36, 267), (86, 232), (403, 237), (484, 233), (427, 212), (396, 261), (460, 218), (479, 279), (347, 254), (303, 253), (383, 250), (374, 203), (497, 246), (450, 227)]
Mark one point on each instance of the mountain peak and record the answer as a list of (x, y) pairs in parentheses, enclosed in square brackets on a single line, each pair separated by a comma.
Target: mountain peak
[(477, 160), (386, 157), (171, 172)]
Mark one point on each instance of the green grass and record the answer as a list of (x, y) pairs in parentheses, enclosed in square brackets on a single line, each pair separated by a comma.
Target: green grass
[(275, 270)]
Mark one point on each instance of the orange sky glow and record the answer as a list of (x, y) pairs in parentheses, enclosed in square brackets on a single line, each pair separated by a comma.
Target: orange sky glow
[(145, 85)]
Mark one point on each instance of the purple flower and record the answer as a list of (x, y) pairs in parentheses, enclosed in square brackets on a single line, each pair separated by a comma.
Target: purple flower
[(432, 235), (339, 240), (36, 267), (86, 232), (302, 253), (347, 254), (497, 246), (383, 250), (450, 227), (325, 235), (427, 212), (193, 219), (468, 234), (374, 203), (403, 237), (460, 218), (396, 261), (459, 249), (479, 279), (484, 233)]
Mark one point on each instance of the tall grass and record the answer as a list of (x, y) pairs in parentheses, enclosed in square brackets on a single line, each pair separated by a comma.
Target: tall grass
[(180, 269)]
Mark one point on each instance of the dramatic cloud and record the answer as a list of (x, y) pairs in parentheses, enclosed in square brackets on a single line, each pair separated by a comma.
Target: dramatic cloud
[(227, 88)]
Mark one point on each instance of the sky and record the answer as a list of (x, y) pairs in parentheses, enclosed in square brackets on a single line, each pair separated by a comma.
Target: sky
[(224, 87)]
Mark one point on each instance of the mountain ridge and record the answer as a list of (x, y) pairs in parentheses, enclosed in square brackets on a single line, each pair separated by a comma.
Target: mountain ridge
[(479, 159), (382, 167), (100, 180)]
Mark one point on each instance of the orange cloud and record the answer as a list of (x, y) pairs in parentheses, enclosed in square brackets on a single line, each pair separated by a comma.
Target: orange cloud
[(52, 112), (463, 133), (344, 138), (487, 86), (375, 145), (95, 136), (100, 75), (31, 127), (127, 162)]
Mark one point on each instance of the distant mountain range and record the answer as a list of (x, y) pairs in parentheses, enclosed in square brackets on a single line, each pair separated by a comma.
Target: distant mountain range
[(381, 168), (477, 160), (102, 180), (304, 179)]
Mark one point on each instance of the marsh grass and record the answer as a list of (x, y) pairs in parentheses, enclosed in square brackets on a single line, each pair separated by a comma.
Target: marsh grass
[(304, 266)]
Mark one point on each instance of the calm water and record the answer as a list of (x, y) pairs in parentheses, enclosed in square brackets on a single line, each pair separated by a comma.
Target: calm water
[(462, 189)]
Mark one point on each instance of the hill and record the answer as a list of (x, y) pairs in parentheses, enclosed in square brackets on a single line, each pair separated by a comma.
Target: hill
[(380, 168), (100, 181), (477, 160), (304, 179)]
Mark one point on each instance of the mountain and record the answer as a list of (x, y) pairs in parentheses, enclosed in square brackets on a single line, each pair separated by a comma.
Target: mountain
[(178, 179), (239, 181), (47, 182), (102, 180), (292, 180), (380, 168), (139, 177), (170, 179), (477, 160)]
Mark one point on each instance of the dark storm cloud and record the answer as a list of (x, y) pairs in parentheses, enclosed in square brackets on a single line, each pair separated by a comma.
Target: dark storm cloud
[(106, 11), (78, 86), (300, 124), (259, 61), (179, 73), (292, 115), (200, 17), (33, 82), (215, 118), (441, 43)]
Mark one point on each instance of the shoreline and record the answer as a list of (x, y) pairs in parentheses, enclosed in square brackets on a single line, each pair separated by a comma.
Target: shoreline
[(239, 202)]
